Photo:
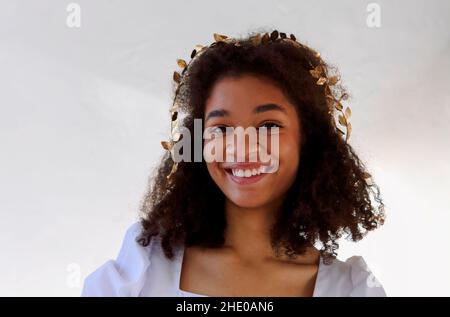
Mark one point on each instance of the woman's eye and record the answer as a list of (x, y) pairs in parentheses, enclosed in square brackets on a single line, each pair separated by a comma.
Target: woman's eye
[(218, 130), (270, 125)]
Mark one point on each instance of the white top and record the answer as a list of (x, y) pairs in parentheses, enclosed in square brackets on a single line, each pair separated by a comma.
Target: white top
[(145, 271)]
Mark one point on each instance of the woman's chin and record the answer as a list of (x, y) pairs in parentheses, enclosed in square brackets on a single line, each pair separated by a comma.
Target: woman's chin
[(244, 201)]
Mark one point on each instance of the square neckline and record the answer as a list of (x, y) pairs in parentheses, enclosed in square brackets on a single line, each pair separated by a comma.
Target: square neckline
[(179, 266)]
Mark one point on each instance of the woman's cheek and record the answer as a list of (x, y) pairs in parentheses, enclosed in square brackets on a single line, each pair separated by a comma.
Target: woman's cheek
[(214, 171)]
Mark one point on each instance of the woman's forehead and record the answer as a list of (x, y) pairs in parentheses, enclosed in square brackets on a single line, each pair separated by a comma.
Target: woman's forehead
[(244, 93)]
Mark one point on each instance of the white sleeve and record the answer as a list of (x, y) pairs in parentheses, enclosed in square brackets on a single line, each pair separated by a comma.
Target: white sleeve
[(364, 282), (124, 276)]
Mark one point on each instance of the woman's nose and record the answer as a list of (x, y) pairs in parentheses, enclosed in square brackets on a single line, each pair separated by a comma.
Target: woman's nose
[(247, 151)]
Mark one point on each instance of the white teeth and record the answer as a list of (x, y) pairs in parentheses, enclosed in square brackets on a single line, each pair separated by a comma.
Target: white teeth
[(246, 172)]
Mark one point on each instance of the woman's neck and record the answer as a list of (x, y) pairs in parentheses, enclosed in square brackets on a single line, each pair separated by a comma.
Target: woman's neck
[(248, 230), (247, 234)]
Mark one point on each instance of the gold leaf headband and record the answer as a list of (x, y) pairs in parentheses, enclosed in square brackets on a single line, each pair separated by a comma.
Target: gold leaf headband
[(318, 72)]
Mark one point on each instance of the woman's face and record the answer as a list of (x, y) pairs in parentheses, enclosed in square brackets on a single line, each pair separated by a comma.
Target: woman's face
[(251, 101)]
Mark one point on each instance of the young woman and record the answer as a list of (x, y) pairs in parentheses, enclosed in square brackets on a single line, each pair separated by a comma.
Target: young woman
[(234, 228)]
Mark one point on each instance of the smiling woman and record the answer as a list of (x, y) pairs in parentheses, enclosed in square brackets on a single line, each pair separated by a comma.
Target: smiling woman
[(236, 228), (239, 99)]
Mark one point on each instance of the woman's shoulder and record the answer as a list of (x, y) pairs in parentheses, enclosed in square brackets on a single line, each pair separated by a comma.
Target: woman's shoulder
[(126, 275), (351, 277)]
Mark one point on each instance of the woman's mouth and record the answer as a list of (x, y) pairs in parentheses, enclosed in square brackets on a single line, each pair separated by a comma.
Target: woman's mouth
[(242, 174)]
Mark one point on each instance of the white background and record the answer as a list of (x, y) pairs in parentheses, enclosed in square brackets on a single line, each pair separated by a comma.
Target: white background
[(83, 111)]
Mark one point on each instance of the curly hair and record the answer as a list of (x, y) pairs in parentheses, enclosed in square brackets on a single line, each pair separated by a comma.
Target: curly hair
[(330, 196)]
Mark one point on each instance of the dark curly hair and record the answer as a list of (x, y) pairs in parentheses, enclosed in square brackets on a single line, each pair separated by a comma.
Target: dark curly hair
[(330, 195)]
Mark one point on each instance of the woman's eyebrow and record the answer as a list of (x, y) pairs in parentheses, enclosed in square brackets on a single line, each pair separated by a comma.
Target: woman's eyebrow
[(268, 107), (257, 109), (217, 113)]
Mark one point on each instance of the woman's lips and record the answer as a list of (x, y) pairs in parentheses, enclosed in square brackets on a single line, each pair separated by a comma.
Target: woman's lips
[(245, 180), (245, 173)]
